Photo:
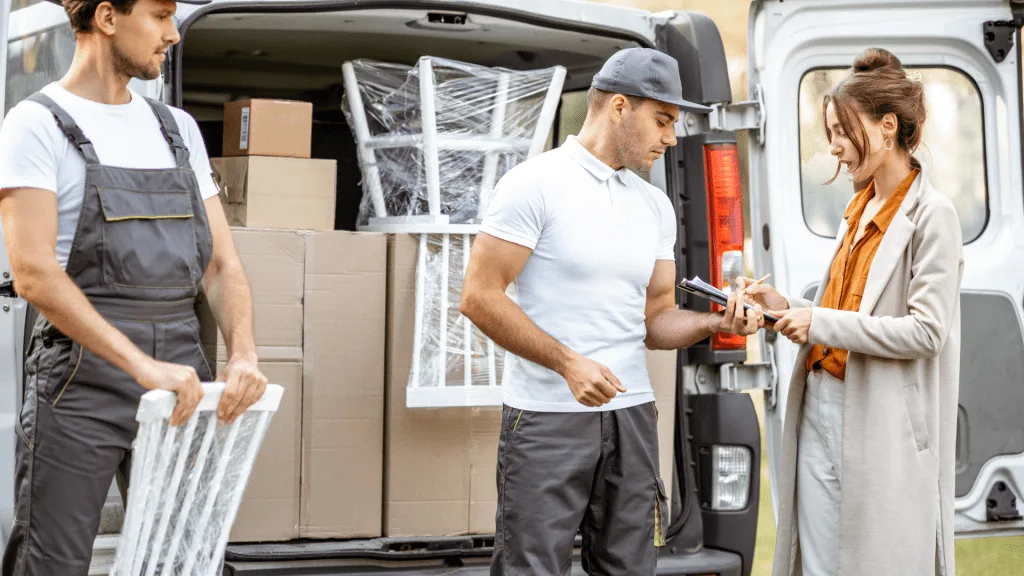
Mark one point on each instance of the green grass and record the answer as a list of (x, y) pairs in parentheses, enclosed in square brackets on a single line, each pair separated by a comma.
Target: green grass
[(974, 557)]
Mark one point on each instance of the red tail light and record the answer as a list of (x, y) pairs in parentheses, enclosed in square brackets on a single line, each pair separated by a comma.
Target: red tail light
[(725, 226)]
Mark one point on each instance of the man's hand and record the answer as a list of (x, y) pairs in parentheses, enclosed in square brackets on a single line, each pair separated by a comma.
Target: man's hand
[(245, 385), (591, 383), (737, 320), (180, 379), (795, 324), (763, 294)]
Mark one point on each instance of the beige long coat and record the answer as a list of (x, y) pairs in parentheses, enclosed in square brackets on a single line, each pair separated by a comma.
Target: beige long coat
[(900, 401)]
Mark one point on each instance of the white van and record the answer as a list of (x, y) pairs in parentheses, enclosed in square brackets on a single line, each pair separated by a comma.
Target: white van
[(968, 54)]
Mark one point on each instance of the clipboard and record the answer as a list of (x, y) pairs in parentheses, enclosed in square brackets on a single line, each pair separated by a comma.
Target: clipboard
[(701, 288)]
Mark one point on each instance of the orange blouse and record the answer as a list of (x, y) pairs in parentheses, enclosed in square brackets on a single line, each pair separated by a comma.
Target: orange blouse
[(850, 268)]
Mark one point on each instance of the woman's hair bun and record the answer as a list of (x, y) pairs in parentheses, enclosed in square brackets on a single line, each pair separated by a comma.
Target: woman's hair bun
[(877, 59)]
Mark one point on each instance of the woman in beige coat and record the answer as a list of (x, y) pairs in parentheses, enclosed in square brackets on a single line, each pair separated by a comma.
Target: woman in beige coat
[(865, 486)]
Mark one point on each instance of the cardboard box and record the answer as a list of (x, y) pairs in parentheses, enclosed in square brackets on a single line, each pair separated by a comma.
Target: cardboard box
[(343, 387), (290, 193), (259, 127), (270, 504), (426, 474), (440, 464), (661, 367), (485, 428), (274, 261)]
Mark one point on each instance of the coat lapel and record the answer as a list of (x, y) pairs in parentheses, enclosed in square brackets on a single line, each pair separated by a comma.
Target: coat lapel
[(891, 248)]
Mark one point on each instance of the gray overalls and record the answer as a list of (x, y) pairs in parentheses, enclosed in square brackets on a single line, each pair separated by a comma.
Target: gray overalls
[(142, 245)]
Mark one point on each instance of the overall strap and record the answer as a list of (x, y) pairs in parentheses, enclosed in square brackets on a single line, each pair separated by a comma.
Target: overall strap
[(68, 126), (169, 127)]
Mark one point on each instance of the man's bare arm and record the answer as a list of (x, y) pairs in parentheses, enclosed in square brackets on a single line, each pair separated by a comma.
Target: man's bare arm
[(493, 265), (30, 233), (669, 328), (227, 291)]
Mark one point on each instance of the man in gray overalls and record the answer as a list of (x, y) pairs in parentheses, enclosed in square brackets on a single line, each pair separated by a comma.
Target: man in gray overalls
[(112, 226)]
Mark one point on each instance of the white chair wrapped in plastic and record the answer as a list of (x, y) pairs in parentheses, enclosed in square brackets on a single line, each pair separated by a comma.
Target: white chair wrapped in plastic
[(187, 483), (432, 141)]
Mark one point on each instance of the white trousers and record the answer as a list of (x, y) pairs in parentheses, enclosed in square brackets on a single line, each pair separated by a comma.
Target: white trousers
[(819, 474)]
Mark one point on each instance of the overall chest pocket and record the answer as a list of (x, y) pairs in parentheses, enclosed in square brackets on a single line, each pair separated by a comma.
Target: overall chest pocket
[(149, 239)]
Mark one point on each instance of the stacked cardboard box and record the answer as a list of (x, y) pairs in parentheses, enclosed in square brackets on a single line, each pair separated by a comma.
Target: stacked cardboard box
[(275, 264), (343, 385), (266, 176), (439, 463), (318, 301)]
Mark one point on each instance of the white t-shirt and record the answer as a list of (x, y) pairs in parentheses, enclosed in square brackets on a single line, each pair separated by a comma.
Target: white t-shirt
[(34, 153), (595, 234)]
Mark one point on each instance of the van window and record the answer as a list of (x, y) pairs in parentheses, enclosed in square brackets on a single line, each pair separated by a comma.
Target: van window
[(37, 60), (953, 147)]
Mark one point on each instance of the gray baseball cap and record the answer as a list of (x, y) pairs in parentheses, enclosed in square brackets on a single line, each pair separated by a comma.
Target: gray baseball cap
[(645, 73)]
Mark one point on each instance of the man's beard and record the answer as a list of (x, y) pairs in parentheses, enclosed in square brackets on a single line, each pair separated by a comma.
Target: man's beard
[(631, 152), (123, 65)]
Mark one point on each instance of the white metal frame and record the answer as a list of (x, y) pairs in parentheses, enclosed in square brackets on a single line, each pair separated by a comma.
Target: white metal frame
[(432, 390), (431, 143), (158, 471)]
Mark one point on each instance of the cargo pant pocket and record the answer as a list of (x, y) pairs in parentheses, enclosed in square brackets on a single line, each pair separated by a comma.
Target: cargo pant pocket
[(660, 512), (57, 390), (21, 433)]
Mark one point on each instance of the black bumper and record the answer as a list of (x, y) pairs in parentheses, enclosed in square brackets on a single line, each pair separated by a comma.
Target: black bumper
[(705, 562)]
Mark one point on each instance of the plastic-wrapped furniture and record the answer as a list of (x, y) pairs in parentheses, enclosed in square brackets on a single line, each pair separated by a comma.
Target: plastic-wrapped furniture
[(432, 141), (187, 483)]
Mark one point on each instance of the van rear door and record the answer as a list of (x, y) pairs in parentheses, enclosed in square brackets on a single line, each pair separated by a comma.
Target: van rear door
[(968, 56)]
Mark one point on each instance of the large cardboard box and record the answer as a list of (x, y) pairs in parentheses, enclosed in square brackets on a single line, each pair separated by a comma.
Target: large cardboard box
[(274, 262), (661, 367), (426, 483), (270, 504), (259, 127), (289, 193), (343, 388)]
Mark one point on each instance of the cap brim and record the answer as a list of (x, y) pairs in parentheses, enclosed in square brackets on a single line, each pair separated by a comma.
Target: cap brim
[(687, 106)]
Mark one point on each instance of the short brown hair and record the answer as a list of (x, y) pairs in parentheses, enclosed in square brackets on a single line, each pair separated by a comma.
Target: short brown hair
[(596, 97), (878, 85), (81, 12)]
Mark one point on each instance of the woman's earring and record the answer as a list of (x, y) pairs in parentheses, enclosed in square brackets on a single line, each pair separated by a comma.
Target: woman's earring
[(888, 144)]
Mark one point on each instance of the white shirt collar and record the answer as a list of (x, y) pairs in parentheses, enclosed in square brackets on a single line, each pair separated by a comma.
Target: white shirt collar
[(591, 163)]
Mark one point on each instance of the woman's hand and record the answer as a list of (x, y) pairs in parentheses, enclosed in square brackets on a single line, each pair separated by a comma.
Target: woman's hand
[(794, 324), (763, 294)]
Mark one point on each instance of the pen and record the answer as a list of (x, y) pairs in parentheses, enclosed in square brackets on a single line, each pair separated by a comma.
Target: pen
[(756, 282)]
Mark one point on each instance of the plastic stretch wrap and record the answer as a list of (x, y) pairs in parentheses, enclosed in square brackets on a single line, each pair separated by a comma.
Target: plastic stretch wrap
[(186, 485), (456, 335), (486, 120)]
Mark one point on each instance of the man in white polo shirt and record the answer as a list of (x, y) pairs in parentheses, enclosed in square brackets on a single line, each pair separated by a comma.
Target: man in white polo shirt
[(590, 248)]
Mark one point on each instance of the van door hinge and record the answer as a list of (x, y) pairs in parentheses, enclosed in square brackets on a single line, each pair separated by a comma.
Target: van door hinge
[(7, 286), (732, 117), (999, 34), (1001, 505), (732, 377)]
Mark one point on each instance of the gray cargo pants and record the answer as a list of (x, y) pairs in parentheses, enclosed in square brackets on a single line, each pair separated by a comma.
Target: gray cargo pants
[(595, 472)]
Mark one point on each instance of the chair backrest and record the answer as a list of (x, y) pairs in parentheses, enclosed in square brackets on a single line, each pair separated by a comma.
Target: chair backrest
[(187, 484)]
